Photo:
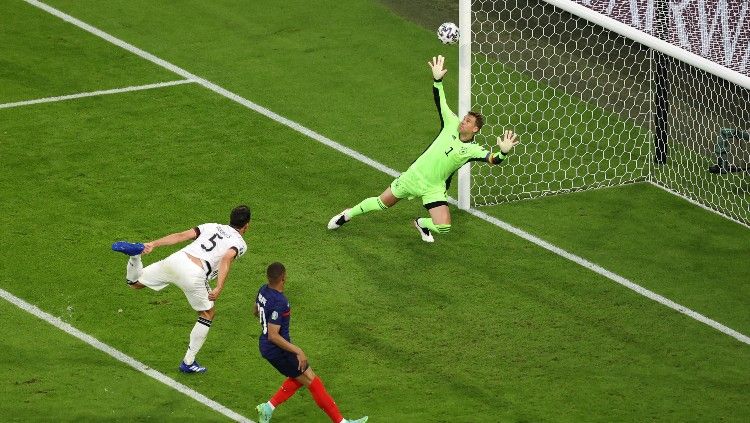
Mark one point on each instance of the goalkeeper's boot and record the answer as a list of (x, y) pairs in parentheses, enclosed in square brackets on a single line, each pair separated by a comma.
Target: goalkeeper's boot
[(423, 232), (339, 220), (192, 368), (361, 420), (129, 248), (264, 412)]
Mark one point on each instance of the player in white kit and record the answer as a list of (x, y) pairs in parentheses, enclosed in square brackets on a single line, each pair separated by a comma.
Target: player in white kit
[(209, 256)]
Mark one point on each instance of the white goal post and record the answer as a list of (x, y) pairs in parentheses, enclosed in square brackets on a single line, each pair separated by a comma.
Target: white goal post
[(600, 102), (464, 93)]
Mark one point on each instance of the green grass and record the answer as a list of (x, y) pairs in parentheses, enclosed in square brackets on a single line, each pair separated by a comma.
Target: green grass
[(680, 251), (45, 57), (479, 327), (56, 377)]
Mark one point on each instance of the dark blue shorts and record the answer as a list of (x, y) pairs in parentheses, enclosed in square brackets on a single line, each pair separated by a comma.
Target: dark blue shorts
[(285, 362)]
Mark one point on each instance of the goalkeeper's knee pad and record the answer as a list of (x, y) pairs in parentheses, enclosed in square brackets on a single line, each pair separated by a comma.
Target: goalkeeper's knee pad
[(443, 229)]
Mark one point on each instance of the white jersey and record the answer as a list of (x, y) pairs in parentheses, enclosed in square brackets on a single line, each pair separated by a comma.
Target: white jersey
[(213, 242)]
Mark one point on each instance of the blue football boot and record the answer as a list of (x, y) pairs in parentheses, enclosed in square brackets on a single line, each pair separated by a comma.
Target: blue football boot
[(129, 248), (192, 368)]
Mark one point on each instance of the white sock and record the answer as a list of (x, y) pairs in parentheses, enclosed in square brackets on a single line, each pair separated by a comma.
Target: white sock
[(135, 268), (197, 338), (271, 405)]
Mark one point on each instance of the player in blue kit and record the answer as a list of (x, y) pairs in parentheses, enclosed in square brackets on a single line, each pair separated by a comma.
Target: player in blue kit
[(273, 310)]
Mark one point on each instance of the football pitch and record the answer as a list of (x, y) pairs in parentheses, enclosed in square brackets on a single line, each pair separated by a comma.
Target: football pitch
[(300, 109)]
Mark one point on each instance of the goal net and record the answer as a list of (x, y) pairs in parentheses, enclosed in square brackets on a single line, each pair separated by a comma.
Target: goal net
[(595, 108)]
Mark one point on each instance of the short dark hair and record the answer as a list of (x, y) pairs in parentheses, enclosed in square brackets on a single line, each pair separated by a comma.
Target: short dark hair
[(239, 217), (274, 271), (479, 118)]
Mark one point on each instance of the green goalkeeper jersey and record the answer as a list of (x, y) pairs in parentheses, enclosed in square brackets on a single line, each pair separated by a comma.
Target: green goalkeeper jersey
[(447, 153)]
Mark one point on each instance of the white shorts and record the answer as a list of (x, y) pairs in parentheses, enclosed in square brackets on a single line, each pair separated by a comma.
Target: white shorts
[(179, 270)]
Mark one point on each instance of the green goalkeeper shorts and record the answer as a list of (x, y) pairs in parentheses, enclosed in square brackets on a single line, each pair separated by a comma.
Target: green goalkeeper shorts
[(407, 186)]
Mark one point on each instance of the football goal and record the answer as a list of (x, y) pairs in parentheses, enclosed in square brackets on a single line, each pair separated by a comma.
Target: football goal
[(606, 93)]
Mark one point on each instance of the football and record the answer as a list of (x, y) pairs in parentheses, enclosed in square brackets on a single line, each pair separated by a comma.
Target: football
[(448, 33)]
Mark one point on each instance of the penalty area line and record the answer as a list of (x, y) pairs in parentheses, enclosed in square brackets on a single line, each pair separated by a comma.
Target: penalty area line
[(383, 168), (120, 356), (94, 93)]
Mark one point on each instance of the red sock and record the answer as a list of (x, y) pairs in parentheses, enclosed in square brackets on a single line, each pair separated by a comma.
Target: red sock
[(324, 400), (288, 388)]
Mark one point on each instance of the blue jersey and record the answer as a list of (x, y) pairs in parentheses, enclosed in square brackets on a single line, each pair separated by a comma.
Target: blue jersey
[(273, 308)]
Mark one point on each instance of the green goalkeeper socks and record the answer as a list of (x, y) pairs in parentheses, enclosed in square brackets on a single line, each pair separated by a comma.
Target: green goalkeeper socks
[(367, 205), (426, 222)]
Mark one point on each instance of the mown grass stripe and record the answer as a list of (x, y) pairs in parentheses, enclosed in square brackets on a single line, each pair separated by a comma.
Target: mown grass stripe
[(120, 356)]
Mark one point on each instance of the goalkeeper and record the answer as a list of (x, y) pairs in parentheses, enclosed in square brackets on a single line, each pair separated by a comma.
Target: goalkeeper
[(429, 176)]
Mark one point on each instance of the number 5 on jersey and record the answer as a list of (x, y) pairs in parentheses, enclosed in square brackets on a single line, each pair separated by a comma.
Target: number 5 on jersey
[(212, 240)]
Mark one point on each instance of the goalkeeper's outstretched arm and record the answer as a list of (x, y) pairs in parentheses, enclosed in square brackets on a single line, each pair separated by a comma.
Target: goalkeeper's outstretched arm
[(506, 144), (438, 71)]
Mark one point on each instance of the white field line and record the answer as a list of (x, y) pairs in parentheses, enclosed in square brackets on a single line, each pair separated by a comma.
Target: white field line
[(690, 200), (364, 159), (213, 87), (99, 345), (611, 276), (94, 93)]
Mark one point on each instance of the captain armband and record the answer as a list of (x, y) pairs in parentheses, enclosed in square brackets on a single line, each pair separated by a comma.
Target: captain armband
[(498, 157)]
